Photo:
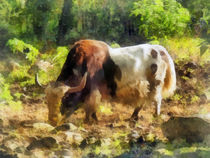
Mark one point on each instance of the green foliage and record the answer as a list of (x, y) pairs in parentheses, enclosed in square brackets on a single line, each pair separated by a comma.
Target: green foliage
[(115, 146), (22, 76), (200, 12), (101, 19), (56, 60), (4, 90), (45, 22), (19, 74), (187, 48), (18, 46), (43, 18), (5, 95), (60, 56), (5, 28), (180, 148), (115, 45), (161, 18), (24, 72)]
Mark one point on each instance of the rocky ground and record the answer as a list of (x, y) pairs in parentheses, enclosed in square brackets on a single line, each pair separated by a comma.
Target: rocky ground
[(26, 133)]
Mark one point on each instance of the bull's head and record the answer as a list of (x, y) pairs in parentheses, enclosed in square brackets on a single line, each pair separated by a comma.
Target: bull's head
[(54, 94)]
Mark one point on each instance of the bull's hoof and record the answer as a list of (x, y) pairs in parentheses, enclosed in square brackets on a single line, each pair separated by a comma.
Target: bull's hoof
[(132, 119), (95, 117), (90, 121), (155, 115)]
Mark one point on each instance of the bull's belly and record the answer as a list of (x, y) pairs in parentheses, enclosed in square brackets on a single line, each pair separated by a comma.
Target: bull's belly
[(132, 92)]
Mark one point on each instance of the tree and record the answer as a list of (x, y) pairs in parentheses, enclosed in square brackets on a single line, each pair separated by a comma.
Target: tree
[(65, 22)]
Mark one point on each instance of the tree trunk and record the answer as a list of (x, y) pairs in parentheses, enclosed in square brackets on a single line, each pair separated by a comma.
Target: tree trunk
[(65, 22)]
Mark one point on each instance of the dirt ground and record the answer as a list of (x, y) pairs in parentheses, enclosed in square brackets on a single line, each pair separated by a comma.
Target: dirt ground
[(18, 130), (26, 132)]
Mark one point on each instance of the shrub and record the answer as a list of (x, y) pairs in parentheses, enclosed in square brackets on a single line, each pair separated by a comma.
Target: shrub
[(56, 60), (187, 48), (24, 73), (161, 18), (18, 46), (6, 97), (60, 57)]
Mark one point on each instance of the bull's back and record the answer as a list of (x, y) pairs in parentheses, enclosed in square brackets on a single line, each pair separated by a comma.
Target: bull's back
[(133, 62)]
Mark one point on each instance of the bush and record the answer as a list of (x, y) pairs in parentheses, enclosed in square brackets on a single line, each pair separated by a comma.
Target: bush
[(186, 48), (60, 57), (24, 72), (56, 61), (18, 46), (5, 95), (161, 18)]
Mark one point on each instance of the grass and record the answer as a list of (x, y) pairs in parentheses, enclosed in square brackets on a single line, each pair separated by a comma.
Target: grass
[(185, 48), (117, 142)]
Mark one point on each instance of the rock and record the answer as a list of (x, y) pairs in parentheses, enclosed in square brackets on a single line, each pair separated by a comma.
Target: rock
[(65, 153), (205, 117), (46, 142), (193, 129), (20, 149), (66, 127), (6, 155), (12, 144), (73, 137), (43, 127), (134, 136), (207, 140)]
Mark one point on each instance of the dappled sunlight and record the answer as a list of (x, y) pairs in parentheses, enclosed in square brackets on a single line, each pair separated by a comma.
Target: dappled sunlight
[(106, 95)]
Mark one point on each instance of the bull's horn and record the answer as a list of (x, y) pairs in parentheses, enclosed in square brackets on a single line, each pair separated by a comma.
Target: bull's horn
[(81, 86), (37, 81)]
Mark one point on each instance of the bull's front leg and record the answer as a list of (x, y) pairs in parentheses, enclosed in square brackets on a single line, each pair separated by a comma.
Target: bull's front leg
[(90, 113), (91, 105), (54, 115)]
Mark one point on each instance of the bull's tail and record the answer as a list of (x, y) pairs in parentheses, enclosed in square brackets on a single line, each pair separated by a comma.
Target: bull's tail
[(170, 77)]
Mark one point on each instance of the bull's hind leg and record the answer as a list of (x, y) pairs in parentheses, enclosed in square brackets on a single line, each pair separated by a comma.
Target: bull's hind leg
[(134, 116), (158, 106), (158, 99)]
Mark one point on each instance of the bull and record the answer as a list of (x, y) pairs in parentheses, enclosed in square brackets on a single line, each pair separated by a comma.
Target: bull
[(137, 75)]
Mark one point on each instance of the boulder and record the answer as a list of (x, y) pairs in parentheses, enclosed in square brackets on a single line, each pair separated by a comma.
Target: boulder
[(193, 129), (73, 137), (43, 127), (46, 142), (66, 127)]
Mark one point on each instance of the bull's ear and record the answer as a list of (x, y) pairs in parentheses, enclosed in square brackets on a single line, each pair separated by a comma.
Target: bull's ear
[(81, 86)]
